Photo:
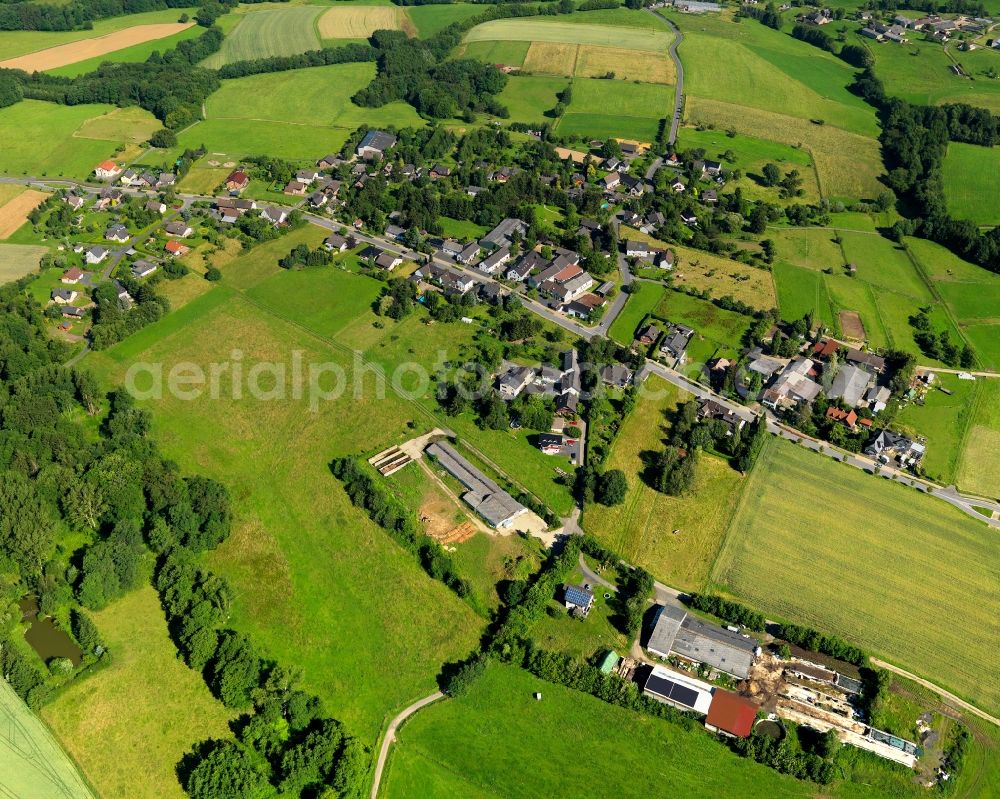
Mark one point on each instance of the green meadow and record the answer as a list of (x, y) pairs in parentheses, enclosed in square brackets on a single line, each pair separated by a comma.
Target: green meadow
[(969, 173), (45, 139), (300, 114), (528, 98), (644, 297), (614, 108), (794, 544), (978, 467), (430, 19), (302, 559), (971, 294), (524, 30), (718, 333), (498, 741)]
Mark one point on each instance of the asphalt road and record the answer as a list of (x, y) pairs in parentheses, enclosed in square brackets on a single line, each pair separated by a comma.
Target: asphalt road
[(675, 121)]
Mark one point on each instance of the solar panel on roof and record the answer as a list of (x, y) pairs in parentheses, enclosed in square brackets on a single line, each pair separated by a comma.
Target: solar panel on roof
[(684, 695)]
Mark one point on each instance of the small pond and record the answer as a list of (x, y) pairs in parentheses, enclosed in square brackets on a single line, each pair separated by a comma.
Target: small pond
[(771, 729), (47, 639)]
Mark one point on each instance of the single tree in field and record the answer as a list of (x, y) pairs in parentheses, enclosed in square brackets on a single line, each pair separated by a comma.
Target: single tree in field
[(612, 487)]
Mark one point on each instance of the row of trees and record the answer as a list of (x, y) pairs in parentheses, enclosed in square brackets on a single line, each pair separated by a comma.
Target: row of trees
[(396, 519), (732, 612)]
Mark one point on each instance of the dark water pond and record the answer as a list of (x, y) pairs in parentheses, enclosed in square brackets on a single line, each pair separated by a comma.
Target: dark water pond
[(771, 729), (48, 640)]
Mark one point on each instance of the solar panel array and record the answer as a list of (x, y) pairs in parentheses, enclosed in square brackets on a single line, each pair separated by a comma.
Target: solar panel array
[(671, 690)]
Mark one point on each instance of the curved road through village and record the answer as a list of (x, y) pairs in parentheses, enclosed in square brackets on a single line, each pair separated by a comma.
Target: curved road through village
[(949, 494)]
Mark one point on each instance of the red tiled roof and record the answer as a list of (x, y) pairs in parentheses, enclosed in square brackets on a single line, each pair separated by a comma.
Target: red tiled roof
[(107, 165), (847, 417), (731, 713), (825, 348)]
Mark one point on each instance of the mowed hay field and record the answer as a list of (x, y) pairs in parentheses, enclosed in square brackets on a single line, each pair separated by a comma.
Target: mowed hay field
[(317, 583), (31, 760), (520, 30), (360, 22), (723, 276), (14, 212), (86, 49), (451, 749), (979, 461), (642, 528), (848, 164), (595, 61), (901, 574), (45, 139), (18, 260), (969, 174), (129, 725), (262, 33)]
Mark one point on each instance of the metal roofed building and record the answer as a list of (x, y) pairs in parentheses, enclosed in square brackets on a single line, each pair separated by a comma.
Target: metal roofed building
[(677, 633), (678, 690), (731, 714), (485, 497)]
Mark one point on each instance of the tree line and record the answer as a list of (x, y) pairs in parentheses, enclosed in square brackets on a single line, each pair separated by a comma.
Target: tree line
[(395, 518)]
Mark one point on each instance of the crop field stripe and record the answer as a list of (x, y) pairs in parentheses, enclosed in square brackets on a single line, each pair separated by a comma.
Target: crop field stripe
[(571, 33), (269, 32)]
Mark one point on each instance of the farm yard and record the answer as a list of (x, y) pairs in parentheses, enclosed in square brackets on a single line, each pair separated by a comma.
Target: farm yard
[(794, 544), (451, 749), (968, 186), (271, 31), (128, 725), (97, 48), (675, 538), (31, 760)]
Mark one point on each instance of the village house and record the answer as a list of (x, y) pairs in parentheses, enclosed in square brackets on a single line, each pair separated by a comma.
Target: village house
[(296, 187), (175, 249), (638, 249), (124, 298), (107, 170), (617, 376), (493, 263), (583, 307), (375, 144), (143, 268), (178, 228), (675, 343), (335, 243), (579, 599), (450, 280), (469, 255), (648, 335), (388, 260), (712, 411), (276, 216), (72, 276), (792, 386), (64, 296), (528, 263), (117, 233), (75, 202), (886, 446), (611, 180), (156, 207), (329, 162), (504, 234), (550, 443), (237, 181), (94, 255), (514, 381)]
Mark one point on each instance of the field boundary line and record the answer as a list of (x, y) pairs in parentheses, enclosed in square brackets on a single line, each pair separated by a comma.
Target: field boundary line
[(741, 505), (919, 268), (973, 410), (942, 692)]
